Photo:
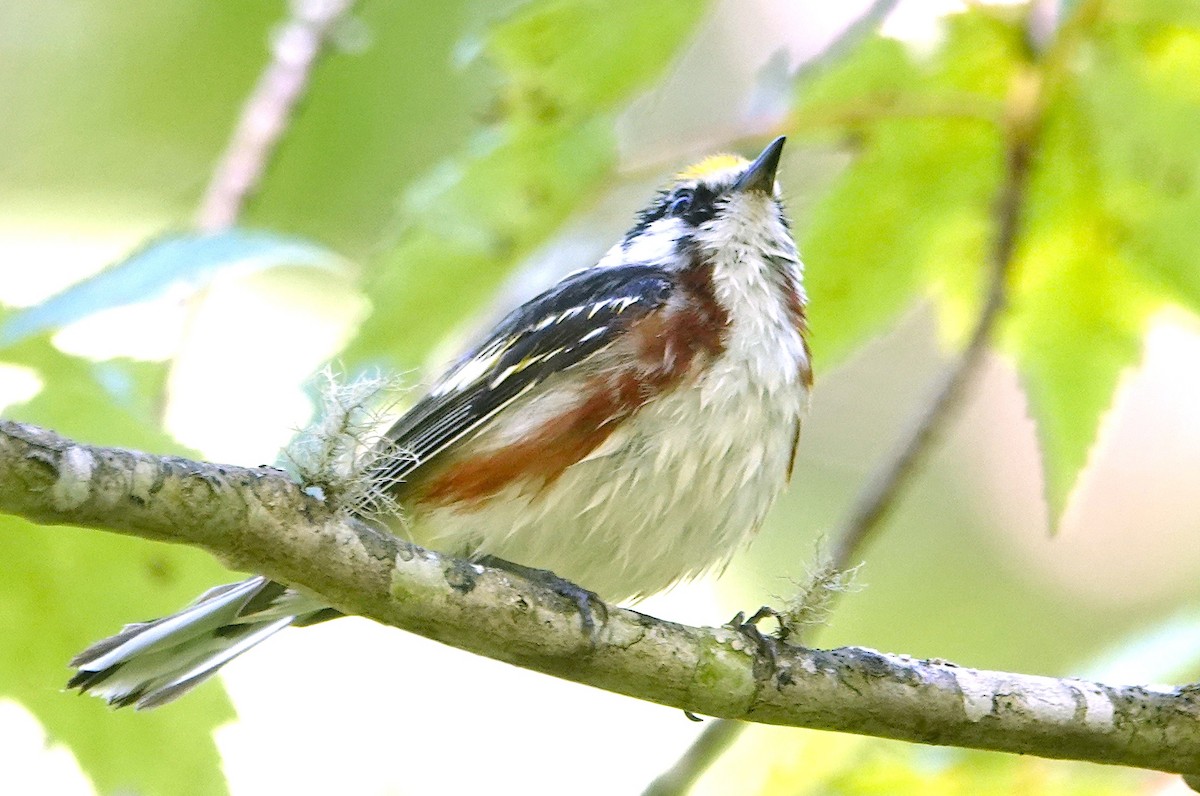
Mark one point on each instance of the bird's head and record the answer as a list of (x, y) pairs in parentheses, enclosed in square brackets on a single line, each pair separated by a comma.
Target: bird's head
[(721, 202)]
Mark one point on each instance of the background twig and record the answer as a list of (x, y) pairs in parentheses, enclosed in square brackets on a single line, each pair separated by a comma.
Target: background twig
[(295, 47), (710, 744), (880, 494)]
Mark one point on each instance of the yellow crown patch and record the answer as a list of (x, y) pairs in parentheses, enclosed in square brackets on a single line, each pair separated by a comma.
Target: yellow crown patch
[(711, 165)]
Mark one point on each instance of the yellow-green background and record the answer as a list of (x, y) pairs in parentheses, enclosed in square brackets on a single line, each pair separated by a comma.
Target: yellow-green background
[(460, 154)]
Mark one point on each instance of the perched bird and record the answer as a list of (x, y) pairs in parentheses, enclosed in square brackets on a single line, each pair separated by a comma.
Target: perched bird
[(626, 429)]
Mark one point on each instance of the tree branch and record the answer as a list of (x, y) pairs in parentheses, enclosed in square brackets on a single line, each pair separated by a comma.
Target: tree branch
[(257, 519)]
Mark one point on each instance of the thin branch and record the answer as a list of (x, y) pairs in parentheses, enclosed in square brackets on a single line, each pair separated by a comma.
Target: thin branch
[(712, 742), (258, 519), (881, 493), (1021, 123), (265, 116), (862, 111), (1022, 129)]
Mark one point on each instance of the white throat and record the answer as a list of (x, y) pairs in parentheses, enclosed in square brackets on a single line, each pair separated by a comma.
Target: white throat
[(756, 272)]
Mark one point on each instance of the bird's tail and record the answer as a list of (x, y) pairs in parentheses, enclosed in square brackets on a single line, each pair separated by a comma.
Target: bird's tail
[(149, 664)]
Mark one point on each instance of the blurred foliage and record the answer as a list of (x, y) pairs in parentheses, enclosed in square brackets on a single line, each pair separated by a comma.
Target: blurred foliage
[(63, 587), (551, 148), (922, 183), (489, 158), (1107, 232), (771, 761), (177, 262)]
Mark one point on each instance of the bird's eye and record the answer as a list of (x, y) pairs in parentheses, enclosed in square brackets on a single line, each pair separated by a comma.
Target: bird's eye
[(680, 204)]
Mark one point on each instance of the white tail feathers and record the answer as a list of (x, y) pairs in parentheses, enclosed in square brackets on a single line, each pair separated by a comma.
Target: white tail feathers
[(151, 663)]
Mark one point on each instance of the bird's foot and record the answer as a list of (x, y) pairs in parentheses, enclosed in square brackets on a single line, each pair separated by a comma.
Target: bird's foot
[(767, 646), (593, 611)]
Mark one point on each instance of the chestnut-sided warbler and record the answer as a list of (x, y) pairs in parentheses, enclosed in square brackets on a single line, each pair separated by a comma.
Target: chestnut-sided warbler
[(626, 429)]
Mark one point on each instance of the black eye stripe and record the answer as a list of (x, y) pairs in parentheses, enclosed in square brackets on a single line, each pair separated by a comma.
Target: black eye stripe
[(693, 205), (701, 205), (681, 204)]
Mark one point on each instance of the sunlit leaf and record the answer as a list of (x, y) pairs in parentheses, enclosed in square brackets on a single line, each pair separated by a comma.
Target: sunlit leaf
[(1141, 100), (910, 218), (179, 262), (1108, 227), (64, 588), (1079, 310), (377, 115)]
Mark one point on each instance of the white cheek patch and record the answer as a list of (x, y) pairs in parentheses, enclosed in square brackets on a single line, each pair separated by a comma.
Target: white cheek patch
[(656, 244)]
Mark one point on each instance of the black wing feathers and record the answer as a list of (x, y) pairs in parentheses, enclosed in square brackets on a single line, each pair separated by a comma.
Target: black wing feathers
[(549, 334)]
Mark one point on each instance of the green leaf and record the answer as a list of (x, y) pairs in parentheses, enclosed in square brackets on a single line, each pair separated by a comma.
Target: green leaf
[(1108, 235), (1111, 233), (186, 261), (375, 117), (908, 219), (65, 588), (574, 57), (444, 270), (1078, 309), (1141, 99), (911, 215), (567, 66), (1073, 342), (1133, 13)]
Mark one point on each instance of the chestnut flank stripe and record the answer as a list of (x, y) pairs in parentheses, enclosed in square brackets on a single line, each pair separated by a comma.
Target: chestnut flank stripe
[(668, 346)]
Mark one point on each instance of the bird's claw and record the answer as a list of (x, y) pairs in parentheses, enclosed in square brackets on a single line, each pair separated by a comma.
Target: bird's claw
[(591, 608), (766, 646)]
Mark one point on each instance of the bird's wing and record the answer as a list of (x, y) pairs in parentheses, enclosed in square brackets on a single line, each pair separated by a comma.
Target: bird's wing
[(551, 333)]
